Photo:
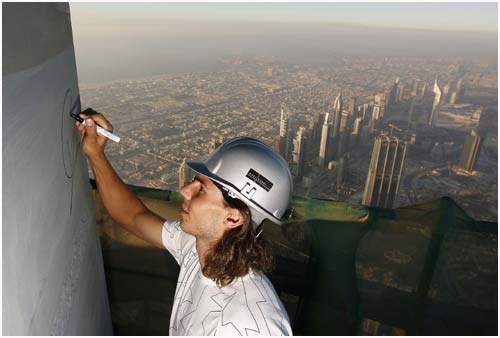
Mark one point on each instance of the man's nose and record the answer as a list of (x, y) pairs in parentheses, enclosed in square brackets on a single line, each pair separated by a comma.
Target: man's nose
[(187, 191)]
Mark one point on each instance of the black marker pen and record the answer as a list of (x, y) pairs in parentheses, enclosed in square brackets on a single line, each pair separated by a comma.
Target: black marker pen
[(100, 129)]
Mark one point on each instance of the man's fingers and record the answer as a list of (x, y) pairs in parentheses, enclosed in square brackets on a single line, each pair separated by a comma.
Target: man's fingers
[(101, 120), (90, 127), (92, 143)]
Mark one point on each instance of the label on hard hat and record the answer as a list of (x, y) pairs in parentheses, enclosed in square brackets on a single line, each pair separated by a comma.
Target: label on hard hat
[(259, 179)]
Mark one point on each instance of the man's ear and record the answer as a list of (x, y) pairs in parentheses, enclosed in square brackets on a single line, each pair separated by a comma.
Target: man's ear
[(234, 218)]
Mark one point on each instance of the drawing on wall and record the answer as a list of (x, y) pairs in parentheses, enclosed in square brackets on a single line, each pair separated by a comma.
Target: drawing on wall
[(70, 142)]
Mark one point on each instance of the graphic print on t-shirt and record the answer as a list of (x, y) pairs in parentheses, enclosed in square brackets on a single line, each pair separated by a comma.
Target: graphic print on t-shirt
[(248, 306)]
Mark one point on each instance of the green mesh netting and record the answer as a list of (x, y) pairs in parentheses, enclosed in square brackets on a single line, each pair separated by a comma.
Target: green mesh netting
[(427, 269)]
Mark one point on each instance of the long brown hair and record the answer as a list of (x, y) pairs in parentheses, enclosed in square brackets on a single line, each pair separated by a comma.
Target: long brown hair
[(239, 249)]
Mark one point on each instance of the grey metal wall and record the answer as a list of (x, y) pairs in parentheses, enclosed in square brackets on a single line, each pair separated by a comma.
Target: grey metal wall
[(52, 271)]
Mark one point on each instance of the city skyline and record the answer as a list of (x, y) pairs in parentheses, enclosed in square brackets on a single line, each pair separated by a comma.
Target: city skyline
[(166, 118), (319, 93)]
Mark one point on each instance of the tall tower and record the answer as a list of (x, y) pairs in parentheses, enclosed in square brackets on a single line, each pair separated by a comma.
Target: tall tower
[(338, 105), (335, 131), (393, 95), (323, 143), (422, 92), (341, 173), (356, 126), (385, 172), (414, 88), (355, 134), (299, 152), (460, 89), (453, 97), (184, 174), (343, 142), (284, 135), (400, 92), (470, 151), (314, 134), (364, 111), (351, 107), (413, 103), (344, 121), (446, 93), (214, 143), (379, 106), (435, 104), (376, 112)]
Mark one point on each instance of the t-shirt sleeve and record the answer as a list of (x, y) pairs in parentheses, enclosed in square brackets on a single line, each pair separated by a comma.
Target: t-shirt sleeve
[(176, 241)]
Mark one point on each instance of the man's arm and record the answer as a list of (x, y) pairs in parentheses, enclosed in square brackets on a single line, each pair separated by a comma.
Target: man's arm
[(123, 206)]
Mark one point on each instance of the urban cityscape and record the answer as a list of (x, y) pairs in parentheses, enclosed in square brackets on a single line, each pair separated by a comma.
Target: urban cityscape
[(381, 131)]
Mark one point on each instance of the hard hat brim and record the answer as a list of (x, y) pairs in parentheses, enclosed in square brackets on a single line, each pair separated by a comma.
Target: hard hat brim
[(201, 168)]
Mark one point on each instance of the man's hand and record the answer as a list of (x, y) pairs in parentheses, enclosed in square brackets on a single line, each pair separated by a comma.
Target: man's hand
[(93, 144)]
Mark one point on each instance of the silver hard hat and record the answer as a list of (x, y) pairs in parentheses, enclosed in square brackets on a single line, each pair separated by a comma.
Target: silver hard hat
[(252, 172)]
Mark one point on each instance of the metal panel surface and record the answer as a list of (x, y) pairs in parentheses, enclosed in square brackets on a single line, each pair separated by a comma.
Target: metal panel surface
[(52, 270)]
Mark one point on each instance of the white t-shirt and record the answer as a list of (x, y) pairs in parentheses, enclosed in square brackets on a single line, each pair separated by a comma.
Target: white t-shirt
[(248, 306)]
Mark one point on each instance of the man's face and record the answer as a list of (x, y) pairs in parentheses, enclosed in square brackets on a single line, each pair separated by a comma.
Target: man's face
[(203, 213)]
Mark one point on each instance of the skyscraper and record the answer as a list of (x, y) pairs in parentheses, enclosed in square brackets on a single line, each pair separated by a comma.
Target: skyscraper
[(380, 103), (470, 152), (453, 97), (413, 103), (365, 111), (299, 152), (315, 127), (460, 89), (446, 93), (345, 129), (393, 95), (184, 174), (355, 134), (344, 121), (356, 126), (351, 108), (333, 142), (337, 115), (214, 143), (435, 104), (376, 112), (276, 144), (323, 144), (414, 88), (401, 92), (422, 92), (385, 172), (341, 173), (284, 135), (371, 125)]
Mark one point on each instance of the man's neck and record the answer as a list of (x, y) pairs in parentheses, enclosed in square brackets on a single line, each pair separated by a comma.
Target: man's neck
[(203, 249)]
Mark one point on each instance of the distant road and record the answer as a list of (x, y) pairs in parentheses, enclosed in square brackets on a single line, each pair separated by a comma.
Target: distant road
[(148, 151)]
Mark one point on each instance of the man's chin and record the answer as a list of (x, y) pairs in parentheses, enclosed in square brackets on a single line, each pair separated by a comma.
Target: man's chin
[(183, 226)]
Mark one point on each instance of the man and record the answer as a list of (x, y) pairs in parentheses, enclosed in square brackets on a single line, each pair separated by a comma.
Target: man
[(221, 288)]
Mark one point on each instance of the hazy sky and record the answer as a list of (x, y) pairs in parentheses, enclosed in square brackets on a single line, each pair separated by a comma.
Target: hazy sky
[(123, 40), (460, 16)]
